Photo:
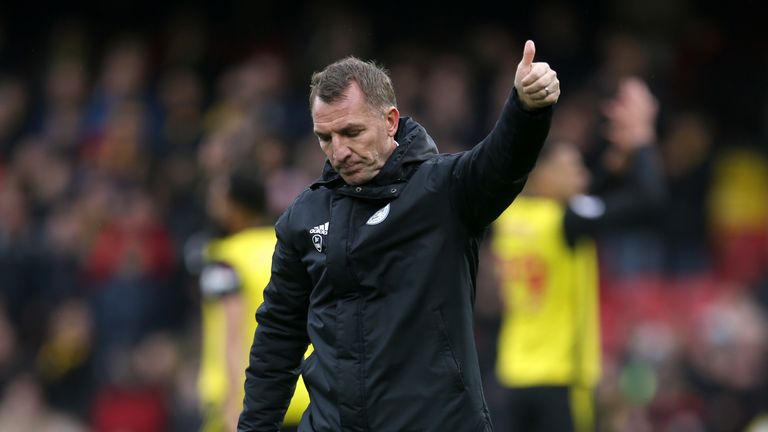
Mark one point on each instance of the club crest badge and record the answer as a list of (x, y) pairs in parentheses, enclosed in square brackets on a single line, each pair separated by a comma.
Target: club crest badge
[(379, 216)]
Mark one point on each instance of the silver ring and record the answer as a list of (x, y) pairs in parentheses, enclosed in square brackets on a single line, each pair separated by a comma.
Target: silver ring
[(546, 90)]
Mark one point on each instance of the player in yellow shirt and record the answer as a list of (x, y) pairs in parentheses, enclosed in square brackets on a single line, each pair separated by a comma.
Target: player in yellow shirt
[(237, 270), (549, 343)]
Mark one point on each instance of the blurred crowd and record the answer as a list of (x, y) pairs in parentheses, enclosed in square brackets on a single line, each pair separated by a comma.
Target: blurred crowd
[(107, 146)]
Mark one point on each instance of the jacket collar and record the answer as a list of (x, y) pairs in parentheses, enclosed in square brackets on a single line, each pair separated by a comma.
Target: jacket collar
[(415, 146)]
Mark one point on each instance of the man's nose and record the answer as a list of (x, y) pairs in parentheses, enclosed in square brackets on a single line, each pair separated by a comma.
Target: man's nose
[(340, 149)]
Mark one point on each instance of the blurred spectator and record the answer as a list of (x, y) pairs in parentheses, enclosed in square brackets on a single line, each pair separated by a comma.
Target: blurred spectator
[(23, 409), (137, 394), (121, 151), (236, 271), (122, 78), (60, 121), (127, 271), (19, 278), (65, 358), (45, 174), (181, 98), (727, 356), (14, 105)]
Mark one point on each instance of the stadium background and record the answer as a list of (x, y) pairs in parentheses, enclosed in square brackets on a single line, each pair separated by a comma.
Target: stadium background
[(113, 117)]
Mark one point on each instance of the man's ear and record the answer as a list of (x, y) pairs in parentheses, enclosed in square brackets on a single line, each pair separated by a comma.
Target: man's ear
[(393, 120)]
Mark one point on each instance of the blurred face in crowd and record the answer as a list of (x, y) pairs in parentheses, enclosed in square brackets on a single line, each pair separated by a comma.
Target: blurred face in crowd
[(357, 138), (561, 174)]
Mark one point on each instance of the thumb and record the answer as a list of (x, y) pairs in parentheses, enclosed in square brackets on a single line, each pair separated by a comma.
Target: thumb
[(528, 52)]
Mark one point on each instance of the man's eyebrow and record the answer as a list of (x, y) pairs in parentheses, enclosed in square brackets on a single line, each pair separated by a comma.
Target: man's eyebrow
[(352, 127)]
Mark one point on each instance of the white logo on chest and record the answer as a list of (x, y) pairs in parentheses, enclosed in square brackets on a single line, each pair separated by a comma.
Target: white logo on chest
[(379, 216)]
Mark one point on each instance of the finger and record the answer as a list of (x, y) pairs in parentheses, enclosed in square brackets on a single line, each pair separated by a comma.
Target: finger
[(544, 84), (538, 70), (529, 51), (540, 94), (548, 79), (545, 95), (551, 93)]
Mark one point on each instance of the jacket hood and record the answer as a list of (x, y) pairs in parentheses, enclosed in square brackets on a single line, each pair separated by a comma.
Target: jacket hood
[(415, 146)]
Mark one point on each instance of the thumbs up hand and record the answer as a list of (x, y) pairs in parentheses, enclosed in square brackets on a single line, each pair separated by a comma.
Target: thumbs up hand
[(536, 83)]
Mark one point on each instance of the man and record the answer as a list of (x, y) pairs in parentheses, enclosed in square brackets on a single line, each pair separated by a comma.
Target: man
[(232, 283), (549, 343), (375, 263)]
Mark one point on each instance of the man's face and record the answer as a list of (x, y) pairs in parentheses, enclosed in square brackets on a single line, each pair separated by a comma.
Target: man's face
[(356, 138)]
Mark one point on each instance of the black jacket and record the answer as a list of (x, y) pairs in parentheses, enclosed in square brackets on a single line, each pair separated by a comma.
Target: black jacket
[(381, 279)]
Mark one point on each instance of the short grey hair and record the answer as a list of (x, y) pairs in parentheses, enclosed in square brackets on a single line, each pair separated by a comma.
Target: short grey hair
[(331, 83)]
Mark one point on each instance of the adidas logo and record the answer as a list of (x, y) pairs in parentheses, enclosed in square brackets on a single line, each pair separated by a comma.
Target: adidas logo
[(318, 232), (320, 229)]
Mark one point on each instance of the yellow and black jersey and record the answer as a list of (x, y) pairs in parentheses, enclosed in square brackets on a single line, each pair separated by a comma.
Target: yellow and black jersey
[(237, 265), (549, 333)]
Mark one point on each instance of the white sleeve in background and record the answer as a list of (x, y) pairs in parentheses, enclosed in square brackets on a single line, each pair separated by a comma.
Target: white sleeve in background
[(218, 279), (587, 206)]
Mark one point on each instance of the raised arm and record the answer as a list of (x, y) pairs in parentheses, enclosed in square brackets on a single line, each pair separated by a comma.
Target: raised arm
[(487, 178), (279, 343), (631, 131)]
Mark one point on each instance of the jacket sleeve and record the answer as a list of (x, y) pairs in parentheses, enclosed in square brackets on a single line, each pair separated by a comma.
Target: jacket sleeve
[(488, 177), (280, 340), (637, 201)]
